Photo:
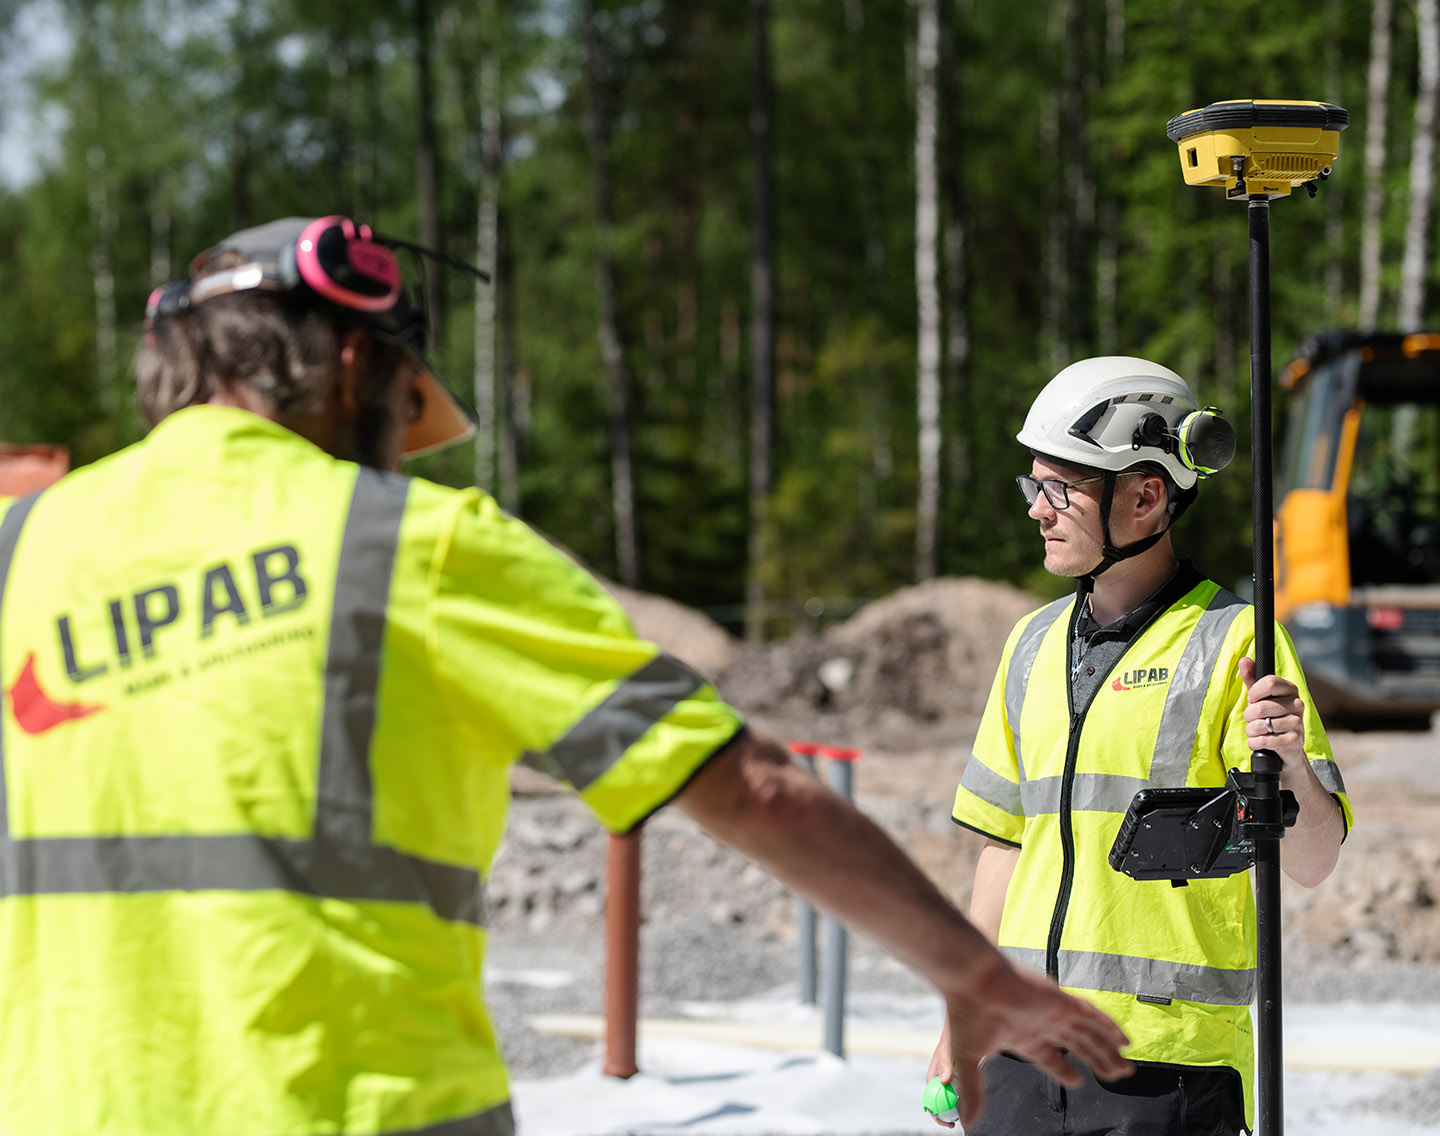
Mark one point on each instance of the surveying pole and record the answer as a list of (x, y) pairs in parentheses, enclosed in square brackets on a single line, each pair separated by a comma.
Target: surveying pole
[(1260, 150)]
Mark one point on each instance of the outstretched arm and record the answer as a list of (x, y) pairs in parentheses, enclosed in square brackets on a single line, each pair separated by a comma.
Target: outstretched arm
[(754, 798)]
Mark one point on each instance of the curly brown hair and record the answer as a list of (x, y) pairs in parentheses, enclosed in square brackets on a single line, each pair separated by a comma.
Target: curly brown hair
[(284, 347)]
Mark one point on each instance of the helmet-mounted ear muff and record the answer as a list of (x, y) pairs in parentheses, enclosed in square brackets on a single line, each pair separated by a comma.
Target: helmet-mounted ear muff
[(1207, 441), (164, 302), (341, 261), (1203, 440), (331, 256)]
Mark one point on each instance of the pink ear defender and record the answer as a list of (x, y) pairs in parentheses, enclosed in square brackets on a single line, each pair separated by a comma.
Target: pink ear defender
[(341, 261), (163, 302)]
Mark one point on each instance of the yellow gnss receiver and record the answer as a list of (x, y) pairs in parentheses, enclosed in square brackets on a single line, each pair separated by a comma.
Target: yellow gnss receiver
[(1258, 148)]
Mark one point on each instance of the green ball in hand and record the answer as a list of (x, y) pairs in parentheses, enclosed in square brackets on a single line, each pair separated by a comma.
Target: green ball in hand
[(941, 1101)]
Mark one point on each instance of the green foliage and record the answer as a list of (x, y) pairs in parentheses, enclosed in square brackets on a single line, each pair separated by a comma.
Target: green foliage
[(190, 118)]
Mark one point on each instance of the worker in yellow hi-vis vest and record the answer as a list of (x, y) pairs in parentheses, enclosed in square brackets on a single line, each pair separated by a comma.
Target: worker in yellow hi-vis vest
[(1142, 680), (261, 696)]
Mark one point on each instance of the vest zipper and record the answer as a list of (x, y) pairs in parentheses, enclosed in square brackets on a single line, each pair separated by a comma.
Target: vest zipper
[(1072, 754), (1067, 848)]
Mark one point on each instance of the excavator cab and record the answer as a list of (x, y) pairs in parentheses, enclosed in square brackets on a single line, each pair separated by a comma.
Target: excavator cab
[(1357, 524)]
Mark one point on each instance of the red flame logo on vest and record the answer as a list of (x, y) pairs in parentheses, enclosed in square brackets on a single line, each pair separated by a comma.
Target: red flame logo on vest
[(1118, 685), (35, 711)]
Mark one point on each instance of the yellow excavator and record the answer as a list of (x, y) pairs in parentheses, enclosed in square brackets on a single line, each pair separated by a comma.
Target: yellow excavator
[(1357, 524)]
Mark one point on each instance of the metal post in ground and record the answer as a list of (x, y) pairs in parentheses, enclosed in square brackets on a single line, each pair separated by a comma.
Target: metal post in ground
[(804, 913), (842, 764)]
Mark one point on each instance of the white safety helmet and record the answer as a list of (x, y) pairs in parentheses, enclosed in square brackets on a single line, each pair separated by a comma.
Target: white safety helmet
[(1116, 411)]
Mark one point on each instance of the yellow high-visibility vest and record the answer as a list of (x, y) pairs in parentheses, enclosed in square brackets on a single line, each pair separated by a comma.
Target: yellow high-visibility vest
[(259, 711), (1174, 966)]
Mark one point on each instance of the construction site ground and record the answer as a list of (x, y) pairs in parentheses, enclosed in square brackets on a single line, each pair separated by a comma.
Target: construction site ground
[(903, 681)]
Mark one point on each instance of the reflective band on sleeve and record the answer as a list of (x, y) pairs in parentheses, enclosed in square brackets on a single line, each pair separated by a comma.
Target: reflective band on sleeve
[(1022, 659), (991, 788), (1180, 720), (1328, 773), (341, 861), (599, 739)]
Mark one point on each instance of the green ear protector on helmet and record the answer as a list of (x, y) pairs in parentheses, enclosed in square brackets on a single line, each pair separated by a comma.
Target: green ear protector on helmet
[(1202, 440)]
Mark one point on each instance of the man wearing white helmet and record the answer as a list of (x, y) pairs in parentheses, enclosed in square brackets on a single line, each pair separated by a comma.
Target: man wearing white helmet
[(1143, 679)]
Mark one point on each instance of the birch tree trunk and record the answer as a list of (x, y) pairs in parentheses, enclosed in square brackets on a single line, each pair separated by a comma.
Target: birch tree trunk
[(160, 226), (426, 165), (877, 377), (1052, 252), (1057, 198), (762, 322), (102, 268), (1077, 175), (1376, 117), (927, 290), (599, 126), (367, 75), (339, 144), (1107, 260), (954, 392), (1415, 265), (1335, 255), (486, 241), (513, 389)]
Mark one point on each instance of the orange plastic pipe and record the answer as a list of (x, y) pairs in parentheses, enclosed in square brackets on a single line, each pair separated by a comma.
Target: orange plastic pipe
[(622, 952)]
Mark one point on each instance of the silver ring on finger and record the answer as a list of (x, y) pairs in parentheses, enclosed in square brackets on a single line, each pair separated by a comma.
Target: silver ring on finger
[(1269, 726)]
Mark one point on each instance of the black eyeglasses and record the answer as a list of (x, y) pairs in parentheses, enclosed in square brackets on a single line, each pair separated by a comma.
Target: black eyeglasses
[(1056, 492)]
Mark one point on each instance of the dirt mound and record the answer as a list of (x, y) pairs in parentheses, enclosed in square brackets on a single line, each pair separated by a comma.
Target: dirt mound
[(922, 654)]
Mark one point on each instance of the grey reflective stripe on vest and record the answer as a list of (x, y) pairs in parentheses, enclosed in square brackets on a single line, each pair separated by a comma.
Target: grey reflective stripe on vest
[(341, 860), (1090, 792), (1022, 661), (1180, 721), (1130, 974), (352, 659), (601, 737), (9, 538), (497, 1121)]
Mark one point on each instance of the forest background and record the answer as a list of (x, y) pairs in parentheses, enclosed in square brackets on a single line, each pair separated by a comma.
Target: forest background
[(773, 282)]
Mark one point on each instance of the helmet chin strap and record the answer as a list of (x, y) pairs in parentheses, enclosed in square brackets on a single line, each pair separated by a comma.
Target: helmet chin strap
[(1109, 553)]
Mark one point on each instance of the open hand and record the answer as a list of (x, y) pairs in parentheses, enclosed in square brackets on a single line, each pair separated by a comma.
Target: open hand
[(1020, 1012)]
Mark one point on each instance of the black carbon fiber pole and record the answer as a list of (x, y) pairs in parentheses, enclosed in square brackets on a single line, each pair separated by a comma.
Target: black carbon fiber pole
[(1265, 764)]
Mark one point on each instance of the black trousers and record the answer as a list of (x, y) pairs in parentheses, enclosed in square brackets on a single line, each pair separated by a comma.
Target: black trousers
[(1158, 1100)]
